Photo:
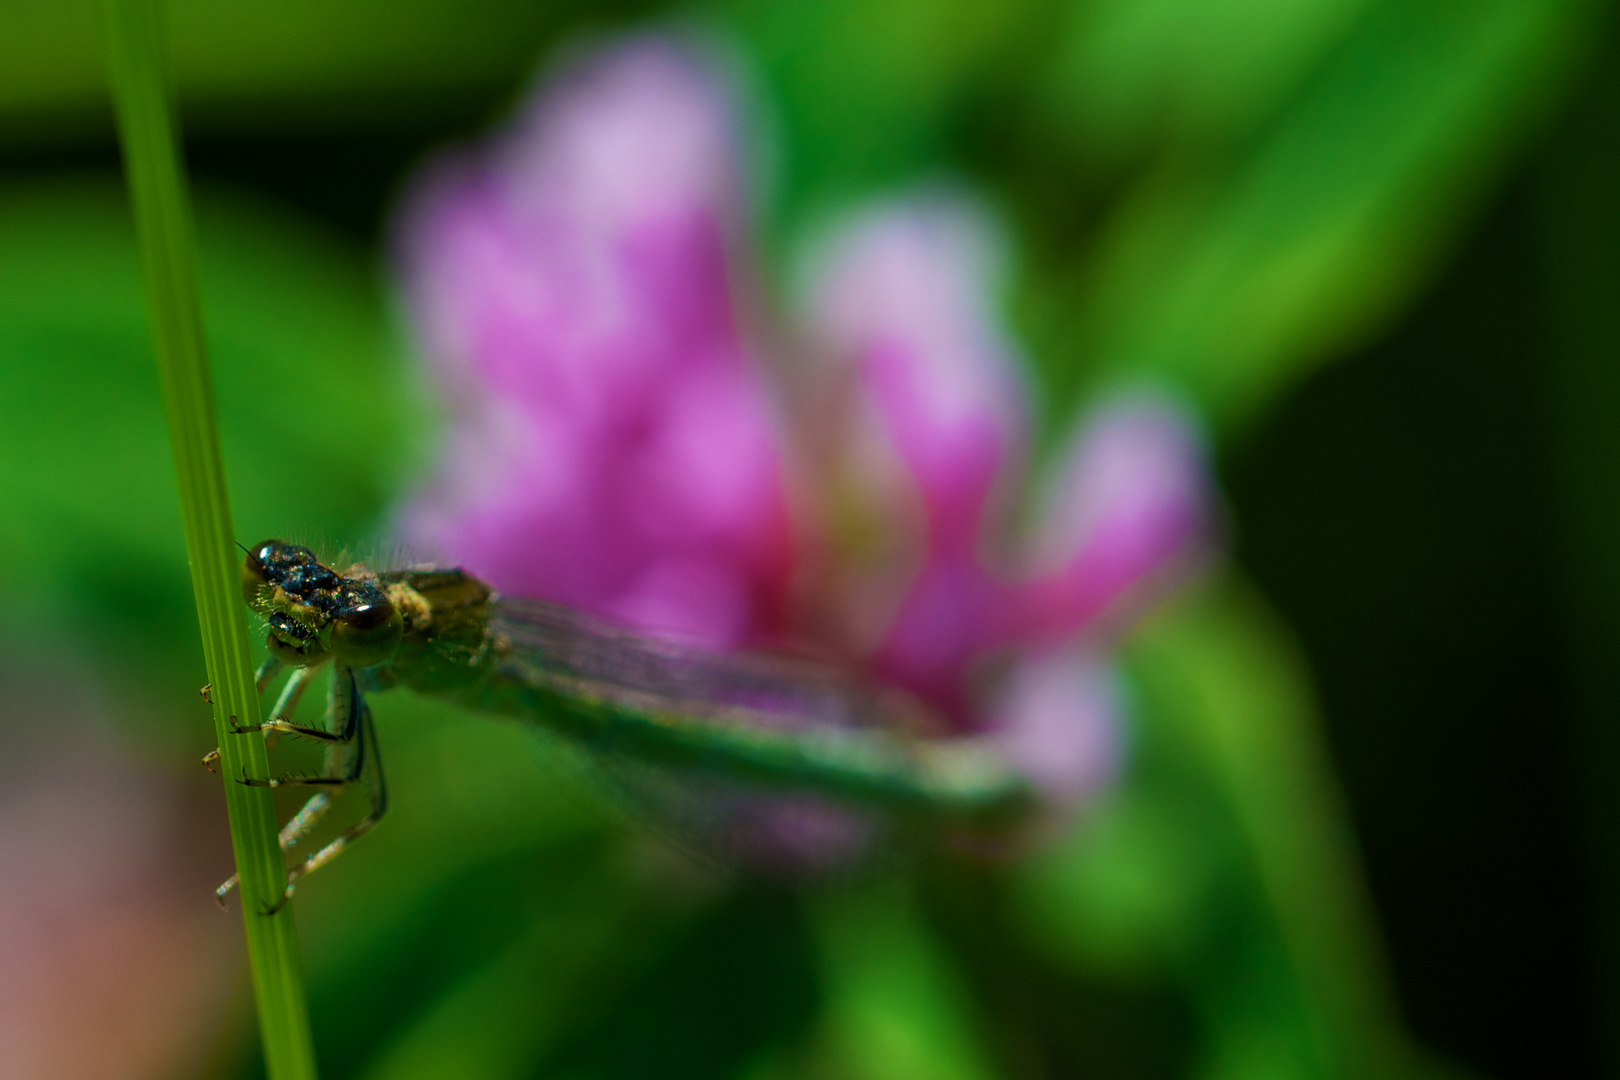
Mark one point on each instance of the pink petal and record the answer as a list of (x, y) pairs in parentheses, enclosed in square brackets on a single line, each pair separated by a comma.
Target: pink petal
[(1129, 504), (1056, 718), (1128, 507), (614, 445), (933, 425), (904, 295)]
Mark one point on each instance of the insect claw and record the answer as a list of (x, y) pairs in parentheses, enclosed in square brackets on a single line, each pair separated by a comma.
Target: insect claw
[(211, 759), (271, 910), (204, 692)]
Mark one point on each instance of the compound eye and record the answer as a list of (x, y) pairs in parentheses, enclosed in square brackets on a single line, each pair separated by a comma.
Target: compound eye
[(365, 634), (256, 573)]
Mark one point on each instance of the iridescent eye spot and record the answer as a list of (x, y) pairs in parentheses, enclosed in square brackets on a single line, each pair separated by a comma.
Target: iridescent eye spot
[(365, 633), (256, 573)]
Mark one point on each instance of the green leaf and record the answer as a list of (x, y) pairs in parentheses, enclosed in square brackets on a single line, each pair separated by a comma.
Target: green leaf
[(897, 1007), (1129, 75), (302, 61), (1227, 858), (317, 425), (866, 92), (1229, 275)]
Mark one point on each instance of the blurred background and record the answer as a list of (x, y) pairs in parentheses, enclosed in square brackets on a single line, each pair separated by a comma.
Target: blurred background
[(1369, 824)]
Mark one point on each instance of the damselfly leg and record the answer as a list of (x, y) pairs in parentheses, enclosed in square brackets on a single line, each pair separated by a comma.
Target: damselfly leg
[(379, 807), (343, 735), (286, 705), (350, 741)]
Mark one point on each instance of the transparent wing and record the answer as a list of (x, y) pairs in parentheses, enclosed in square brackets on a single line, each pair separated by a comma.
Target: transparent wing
[(577, 653), (758, 719), (716, 821)]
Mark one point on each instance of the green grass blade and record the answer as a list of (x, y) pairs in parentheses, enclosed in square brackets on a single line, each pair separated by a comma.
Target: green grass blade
[(163, 224), (1243, 702)]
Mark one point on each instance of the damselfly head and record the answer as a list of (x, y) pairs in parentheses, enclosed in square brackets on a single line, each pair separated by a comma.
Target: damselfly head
[(315, 613)]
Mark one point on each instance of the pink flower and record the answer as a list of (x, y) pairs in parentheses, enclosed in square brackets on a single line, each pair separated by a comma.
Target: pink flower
[(619, 443), (614, 446), (903, 301)]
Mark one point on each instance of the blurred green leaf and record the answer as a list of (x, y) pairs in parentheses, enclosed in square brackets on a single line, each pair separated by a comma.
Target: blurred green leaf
[(510, 921), (494, 914), (1217, 195), (738, 983), (1229, 671), (1235, 868), (1227, 278), (865, 90), (301, 62), (313, 411), (897, 1008), (1129, 74), (497, 1021), (497, 915), (1126, 891)]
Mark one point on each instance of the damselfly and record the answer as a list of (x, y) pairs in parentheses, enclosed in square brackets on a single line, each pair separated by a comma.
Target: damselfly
[(770, 721)]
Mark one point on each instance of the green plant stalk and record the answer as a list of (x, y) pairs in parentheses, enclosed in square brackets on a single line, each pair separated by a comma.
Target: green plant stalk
[(1267, 753), (163, 225)]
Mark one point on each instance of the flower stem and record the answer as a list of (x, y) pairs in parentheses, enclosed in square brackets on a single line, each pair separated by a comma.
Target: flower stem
[(163, 224), (1249, 708)]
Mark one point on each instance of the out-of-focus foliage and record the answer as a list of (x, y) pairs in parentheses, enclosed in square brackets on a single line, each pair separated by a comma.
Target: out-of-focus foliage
[(1244, 824), (899, 1007), (294, 64), (1229, 277), (1215, 195), (1581, 237), (313, 410)]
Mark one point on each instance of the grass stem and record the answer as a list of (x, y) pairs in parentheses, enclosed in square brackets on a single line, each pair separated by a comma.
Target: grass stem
[(162, 211)]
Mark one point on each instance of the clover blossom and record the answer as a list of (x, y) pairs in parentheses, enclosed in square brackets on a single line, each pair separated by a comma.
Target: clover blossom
[(628, 438), (614, 445)]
